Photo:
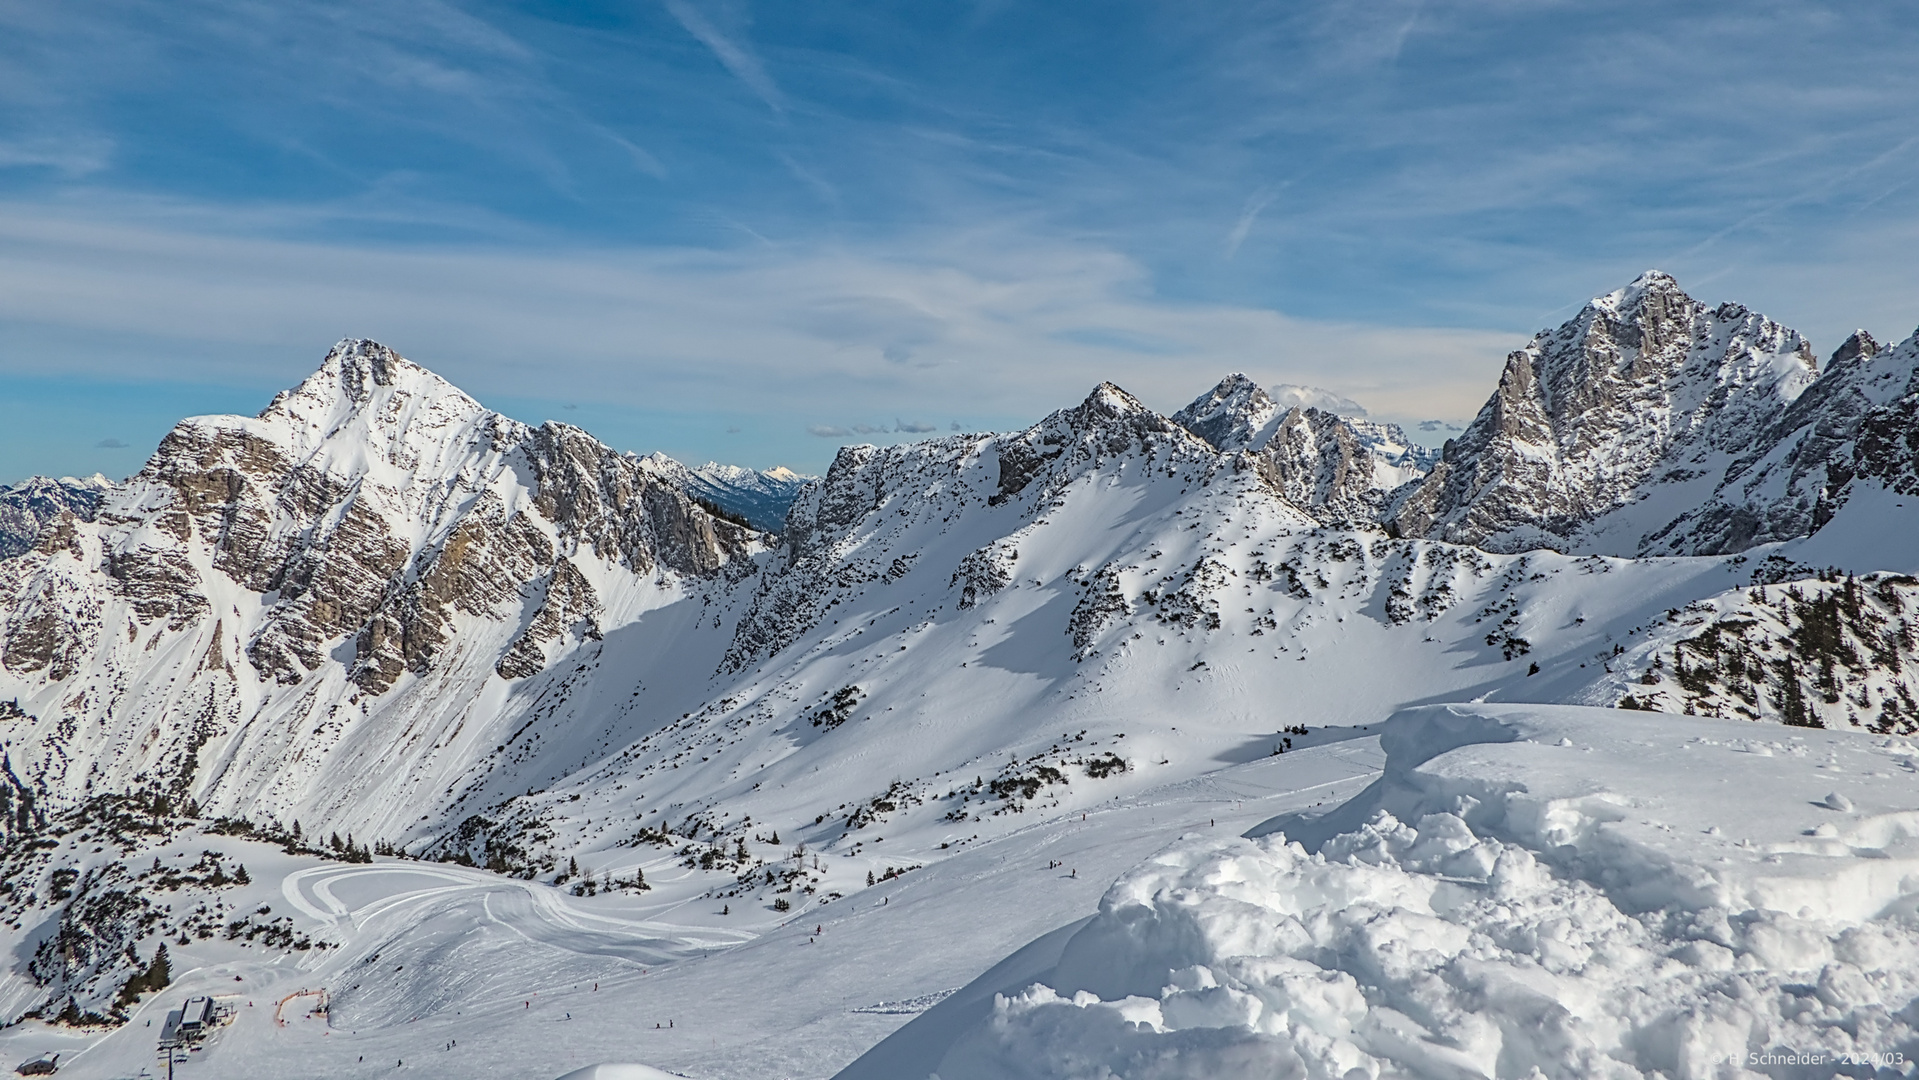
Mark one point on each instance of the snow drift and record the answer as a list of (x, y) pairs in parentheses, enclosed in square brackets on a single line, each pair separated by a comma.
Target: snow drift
[(1526, 891)]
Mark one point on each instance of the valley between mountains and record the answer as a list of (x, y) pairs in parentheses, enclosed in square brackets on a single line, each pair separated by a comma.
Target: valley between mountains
[(1253, 739)]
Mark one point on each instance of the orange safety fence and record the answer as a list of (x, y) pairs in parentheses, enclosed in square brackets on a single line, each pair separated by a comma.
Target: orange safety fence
[(280, 1020)]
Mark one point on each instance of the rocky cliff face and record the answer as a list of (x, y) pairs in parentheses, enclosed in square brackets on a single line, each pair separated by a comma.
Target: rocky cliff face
[(1339, 470), (1604, 430), (372, 534), (1853, 427)]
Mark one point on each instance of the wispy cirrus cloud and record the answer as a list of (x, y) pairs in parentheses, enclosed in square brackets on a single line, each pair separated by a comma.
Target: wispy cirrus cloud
[(734, 55), (1259, 200), (894, 211), (791, 331), (72, 156)]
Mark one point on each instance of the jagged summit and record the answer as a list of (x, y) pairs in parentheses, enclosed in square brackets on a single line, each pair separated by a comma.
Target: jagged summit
[(1859, 345), (1645, 386), (1240, 414), (359, 373), (367, 397), (1109, 401), (1232, 415), (1850, 430), (1336, 468), (1654, 283)]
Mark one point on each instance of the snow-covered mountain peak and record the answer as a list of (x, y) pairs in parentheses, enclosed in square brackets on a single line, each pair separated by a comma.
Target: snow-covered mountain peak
[(364, 396), (1859, 345), (370, 539), (1645, 388), (1234, 415), (1330, 466), (759, 498), (359, 374), (1110, 402), (1109, 424), (1653, 286), (1240, 414)]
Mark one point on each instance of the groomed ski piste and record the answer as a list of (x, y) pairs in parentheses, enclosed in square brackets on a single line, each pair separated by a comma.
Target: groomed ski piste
[(530, 981)]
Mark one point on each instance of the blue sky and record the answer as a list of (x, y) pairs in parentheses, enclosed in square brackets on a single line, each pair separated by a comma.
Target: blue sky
[(756, 231)]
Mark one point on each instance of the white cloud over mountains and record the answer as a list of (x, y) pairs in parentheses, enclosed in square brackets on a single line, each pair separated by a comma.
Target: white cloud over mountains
[(995, 324)]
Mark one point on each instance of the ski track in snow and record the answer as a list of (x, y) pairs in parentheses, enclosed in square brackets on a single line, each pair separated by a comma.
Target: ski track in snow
[(808, 1003)]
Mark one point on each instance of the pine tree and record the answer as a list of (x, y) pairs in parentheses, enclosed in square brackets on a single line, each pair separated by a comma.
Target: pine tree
[(1792, 700), (240, 876), (156, 977)]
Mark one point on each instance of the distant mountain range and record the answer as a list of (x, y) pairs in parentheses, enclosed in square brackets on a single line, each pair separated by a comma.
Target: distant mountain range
[(26, 507), (381, 609), (757, 498)]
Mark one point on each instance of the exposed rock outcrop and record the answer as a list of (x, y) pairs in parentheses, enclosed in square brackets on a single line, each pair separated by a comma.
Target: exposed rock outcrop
[(1604, 430), (1339, 469)]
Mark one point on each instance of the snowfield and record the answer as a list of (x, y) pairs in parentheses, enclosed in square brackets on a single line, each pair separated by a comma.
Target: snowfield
[(527, 981), (1471, 890), (1526, 891)]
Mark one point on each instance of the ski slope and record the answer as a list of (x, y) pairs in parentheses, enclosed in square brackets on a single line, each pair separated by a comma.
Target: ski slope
[(1465, 890), (429, 954)]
